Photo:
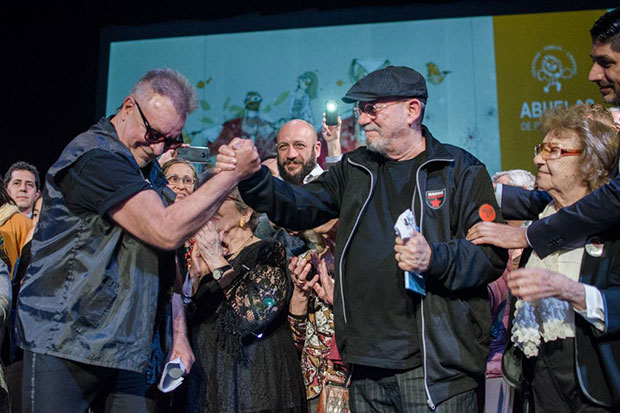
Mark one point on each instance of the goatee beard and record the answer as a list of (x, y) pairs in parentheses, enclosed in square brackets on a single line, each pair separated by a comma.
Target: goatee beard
[(298, 178)]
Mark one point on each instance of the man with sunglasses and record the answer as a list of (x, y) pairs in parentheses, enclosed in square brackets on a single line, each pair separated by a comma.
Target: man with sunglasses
[(91, 310), (572, 225), (410, 348)]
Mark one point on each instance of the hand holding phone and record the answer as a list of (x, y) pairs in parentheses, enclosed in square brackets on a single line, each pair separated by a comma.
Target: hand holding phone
[(194, 154), (331, 113)]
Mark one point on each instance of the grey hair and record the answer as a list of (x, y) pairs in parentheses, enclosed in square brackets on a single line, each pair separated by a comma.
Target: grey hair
[(517, 177), (176, 161), (171, 84), (595, 129)]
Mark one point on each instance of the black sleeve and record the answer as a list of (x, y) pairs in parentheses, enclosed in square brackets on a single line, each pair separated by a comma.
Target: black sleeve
[(519, 203), (592, 214), (99, 180), (458, 264), (207, 299), (295, 207)]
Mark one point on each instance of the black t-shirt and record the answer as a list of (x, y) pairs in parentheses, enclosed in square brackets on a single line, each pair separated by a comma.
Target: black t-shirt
[(384, 324), (99, 180)]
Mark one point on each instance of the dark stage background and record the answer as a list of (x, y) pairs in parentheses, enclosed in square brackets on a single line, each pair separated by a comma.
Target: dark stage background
[(51, 52)]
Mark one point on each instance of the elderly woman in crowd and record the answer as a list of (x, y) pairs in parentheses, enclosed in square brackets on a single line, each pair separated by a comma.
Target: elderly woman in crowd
[(245, 356), (311, 321), (181, 176), (182, 180), (565, 339)]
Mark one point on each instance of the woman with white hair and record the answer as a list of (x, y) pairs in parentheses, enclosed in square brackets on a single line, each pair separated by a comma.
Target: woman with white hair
[(565, 342)]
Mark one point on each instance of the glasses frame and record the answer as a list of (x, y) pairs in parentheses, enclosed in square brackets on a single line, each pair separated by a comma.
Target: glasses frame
[(539, 149), (375, 107), (152, 135), (180, 181)]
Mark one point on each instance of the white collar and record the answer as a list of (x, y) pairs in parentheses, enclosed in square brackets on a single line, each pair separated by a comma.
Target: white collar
[(316, 171)]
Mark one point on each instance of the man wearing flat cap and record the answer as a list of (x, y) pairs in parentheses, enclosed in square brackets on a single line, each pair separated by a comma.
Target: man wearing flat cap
[(411, 348)]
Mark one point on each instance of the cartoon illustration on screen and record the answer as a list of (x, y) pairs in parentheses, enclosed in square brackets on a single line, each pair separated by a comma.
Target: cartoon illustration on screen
[(307, 86), (247, 124)]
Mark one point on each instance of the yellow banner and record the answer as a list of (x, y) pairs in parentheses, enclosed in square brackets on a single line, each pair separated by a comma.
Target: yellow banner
[(542, 61)]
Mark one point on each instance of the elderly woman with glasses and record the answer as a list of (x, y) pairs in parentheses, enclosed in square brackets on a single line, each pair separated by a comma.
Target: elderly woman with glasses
[(565, 343), (245, 356), (182, 180), (181, 176)]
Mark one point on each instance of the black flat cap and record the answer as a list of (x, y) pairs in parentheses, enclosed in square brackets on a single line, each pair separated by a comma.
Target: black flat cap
[(392, 81)]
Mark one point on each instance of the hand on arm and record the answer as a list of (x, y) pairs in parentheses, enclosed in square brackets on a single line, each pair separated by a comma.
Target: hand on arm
[(414, 254), (500, 235)]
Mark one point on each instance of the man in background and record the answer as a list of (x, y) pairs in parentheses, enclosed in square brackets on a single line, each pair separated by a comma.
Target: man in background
[(23, 184)]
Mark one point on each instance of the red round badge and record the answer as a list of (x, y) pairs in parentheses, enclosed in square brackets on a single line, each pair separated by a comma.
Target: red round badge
[(487, 213)]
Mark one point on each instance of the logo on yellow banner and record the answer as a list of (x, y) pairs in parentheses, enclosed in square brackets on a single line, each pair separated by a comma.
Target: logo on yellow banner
[(553, 64), (542, 61)]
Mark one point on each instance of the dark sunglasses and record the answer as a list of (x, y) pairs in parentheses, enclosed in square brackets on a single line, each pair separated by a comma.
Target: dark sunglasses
[(154, 136), (373, 109)]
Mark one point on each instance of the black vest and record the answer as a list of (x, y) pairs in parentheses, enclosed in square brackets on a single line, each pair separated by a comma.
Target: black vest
[(91, 291)]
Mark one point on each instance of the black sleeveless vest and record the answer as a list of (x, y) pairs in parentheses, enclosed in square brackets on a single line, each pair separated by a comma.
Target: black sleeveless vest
[(91, 291)]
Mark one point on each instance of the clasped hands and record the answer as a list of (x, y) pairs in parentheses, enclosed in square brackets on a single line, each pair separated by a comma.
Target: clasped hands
[(207, 253), (321, 283), (239, 156)]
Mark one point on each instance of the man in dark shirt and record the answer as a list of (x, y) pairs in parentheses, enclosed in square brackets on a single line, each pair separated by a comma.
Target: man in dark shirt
[(102, 267), (573, 224), (408, 351)]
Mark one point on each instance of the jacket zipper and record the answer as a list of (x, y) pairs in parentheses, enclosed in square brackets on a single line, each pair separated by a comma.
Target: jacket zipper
[(346, 245), (429, 399)]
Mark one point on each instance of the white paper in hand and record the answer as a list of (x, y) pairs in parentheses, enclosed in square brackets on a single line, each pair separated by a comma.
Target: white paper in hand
[(404, 227), (172, 376), (405, 224)]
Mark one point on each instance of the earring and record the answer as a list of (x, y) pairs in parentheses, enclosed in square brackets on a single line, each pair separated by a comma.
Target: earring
[(241, 222)]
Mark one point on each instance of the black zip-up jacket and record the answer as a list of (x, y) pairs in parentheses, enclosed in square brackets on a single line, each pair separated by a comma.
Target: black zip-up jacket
[(454, 318)]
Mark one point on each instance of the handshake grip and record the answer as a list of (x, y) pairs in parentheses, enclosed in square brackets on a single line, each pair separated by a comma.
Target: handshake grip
[(239, 156)]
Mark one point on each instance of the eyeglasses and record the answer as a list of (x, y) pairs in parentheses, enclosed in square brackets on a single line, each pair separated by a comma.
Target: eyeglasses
[(154, 136), (176, 180), (372, 109), (549, 151)]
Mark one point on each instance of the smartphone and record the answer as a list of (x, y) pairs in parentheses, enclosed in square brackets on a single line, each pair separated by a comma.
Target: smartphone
[(195, 154), (331, 112)]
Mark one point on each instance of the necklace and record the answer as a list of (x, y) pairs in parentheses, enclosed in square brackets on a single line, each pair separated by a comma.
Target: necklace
[(238, 251)]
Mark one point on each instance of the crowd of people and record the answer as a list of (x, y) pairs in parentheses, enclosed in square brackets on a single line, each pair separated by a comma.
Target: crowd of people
[(383, 280)]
